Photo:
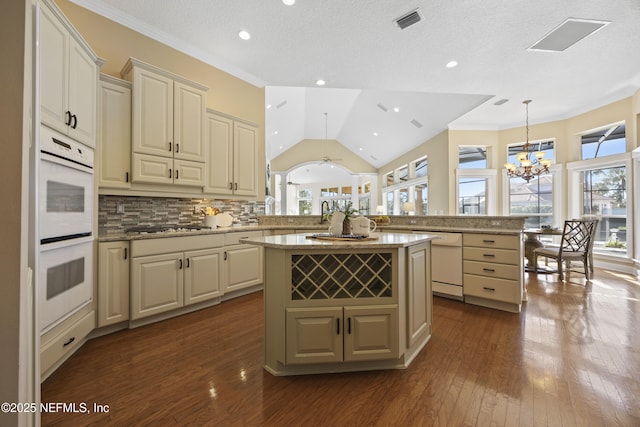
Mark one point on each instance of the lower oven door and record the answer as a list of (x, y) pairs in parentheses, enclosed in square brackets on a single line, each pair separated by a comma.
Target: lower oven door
[(65, 282), (65, 200)]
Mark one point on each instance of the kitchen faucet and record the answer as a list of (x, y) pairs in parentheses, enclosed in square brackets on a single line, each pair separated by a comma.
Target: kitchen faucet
[(322, 210)]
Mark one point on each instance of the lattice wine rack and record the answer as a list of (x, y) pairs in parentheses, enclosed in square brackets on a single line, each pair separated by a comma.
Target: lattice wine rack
[(332, 276)]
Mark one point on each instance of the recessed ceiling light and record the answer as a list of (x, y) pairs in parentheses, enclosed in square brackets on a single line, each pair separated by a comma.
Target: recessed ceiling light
[(289, 2), (320, 82), (375, 134), (244, 35), (452, 64), (396, 109), (268, 106), (275, 132), (360, 148), (281, 147)]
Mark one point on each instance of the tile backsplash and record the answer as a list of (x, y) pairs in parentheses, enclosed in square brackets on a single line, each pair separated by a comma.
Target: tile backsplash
[(117, 213)]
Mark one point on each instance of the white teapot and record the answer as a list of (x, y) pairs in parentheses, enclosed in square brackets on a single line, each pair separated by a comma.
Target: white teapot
[(362, 226)]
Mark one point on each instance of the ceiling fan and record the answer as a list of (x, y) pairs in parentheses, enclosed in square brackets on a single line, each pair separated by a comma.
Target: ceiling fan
[(327, 159)]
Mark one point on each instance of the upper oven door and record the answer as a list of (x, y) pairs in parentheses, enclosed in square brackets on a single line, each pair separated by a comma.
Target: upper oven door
[(65, 199)]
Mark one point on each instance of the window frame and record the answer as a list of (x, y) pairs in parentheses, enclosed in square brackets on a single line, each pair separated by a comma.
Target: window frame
[(491, 195)]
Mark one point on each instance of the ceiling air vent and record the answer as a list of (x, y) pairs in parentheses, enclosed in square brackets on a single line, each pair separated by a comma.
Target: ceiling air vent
[(382, 107), (416, 123), (567, 34), (409, 19)]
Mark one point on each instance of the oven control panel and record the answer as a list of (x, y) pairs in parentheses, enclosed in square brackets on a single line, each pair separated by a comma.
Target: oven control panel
[(61, 146)]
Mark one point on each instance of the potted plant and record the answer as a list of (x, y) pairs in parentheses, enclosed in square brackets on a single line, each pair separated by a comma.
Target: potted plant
[(346, 223)]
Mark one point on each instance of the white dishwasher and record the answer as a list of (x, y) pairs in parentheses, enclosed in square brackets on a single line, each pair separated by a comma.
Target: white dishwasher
[(446, 264)]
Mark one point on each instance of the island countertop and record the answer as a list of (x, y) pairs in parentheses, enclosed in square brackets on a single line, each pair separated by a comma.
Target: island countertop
[(306, 241)]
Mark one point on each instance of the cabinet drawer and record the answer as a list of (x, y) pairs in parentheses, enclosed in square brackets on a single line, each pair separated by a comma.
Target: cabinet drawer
[(66, 341), (489, 255), (503, 271), (492, 288), (235, 237), (491, 241)]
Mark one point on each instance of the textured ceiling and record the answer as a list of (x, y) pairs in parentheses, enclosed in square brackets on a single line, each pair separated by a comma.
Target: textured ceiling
[(367, 60)]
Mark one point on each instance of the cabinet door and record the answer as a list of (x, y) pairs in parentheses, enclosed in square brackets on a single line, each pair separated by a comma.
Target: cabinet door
[(189, 105), (114, 130), (219, 154), (54, 72), (314, 335), (156, 284), (203, 275), (419, 293), (188, 173), (371, 333), (243, 267), (83, 83), (152, 113), (113, 283), (152, 169), (245, 159)]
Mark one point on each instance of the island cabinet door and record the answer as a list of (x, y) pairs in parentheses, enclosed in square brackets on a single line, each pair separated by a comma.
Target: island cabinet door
[(371, 332), (314, 335)]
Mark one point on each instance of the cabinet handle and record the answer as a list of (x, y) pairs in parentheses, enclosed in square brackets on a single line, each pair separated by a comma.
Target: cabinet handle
[(488, 241), (188, 263), (126, 177), (338, 326), (170, 146), (231, 186), (180, 264), (489, 289), (169, 173), (490, 270), (236, 185), (489, 255), (225, 255), (72, 339), (177, 147), (75, 121), (177, 173), (349, 325), (126, 253), (68, 115)]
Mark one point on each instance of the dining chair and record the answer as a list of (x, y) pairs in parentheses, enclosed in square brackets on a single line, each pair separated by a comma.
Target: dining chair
[(591, 242), (574, 246)]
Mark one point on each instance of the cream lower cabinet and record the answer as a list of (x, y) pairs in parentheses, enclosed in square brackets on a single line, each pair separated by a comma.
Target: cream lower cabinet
[(493, 270), (162, 280), (113, 283), (336, 334), (243, 263)]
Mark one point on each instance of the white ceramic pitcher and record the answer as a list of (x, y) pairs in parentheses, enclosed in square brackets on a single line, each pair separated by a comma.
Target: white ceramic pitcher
[(362, 226), (336, 219)]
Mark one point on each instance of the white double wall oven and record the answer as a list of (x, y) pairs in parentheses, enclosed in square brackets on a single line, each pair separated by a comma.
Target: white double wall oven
[(65, 227)]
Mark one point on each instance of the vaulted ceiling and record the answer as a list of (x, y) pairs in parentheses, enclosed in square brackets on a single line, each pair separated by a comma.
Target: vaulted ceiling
[(371, 66)]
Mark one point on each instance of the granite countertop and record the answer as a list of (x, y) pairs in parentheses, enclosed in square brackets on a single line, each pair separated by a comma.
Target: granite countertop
[(377, 241)]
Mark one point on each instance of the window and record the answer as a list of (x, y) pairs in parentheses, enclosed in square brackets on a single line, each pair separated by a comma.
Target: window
[(388, 179), (403, 173), (605, 196), (604, 142), (472, 196), (390, 198), (304, 202), (535, 198), (472, 157), (420, 167), (421, 200)]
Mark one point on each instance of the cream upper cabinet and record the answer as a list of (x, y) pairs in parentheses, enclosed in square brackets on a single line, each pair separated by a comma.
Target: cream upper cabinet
[(113, 282), (168, 123), (68, 77), (232, 156), (114, 133)]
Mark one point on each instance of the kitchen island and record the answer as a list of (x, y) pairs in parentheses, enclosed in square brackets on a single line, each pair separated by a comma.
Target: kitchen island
[(347, 305)]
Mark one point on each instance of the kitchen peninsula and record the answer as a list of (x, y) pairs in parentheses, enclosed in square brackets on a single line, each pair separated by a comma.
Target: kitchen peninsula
[(339, 306)]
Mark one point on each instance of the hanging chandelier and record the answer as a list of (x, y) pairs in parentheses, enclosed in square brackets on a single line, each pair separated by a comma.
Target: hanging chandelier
[(529, 166)]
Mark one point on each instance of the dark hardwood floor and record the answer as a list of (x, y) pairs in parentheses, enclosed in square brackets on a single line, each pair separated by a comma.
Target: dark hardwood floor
[(571, 358)]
